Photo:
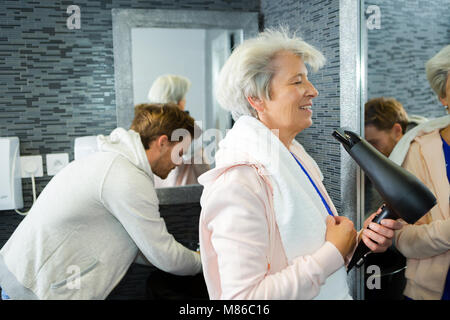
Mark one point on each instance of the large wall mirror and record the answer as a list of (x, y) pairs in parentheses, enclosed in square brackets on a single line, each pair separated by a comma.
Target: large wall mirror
[(197, 54), (398, 38), (188, 43), (193, 44)]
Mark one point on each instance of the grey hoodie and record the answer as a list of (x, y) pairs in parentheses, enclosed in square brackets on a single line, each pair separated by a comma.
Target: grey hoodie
[(88, 225)]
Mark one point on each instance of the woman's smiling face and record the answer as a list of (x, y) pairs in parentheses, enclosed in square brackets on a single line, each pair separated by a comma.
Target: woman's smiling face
[(446, 100), (291, 94)]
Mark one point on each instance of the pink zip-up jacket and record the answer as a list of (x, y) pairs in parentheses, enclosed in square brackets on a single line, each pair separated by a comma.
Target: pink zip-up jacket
[(426, 244), (241, 249)]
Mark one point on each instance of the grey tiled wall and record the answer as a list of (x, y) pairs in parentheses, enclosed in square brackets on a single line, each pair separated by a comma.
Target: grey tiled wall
[(411, 32), (57, 84), (317, 22)]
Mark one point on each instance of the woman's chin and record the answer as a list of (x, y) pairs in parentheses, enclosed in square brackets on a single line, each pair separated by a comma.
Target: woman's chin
[(305, 125)]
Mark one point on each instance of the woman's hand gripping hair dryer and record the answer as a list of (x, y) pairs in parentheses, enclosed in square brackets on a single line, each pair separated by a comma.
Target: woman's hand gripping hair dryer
[(404, 195)]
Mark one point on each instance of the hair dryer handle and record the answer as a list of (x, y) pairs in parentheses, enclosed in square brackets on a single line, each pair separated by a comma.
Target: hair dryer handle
[(359, 257), (362, 251)]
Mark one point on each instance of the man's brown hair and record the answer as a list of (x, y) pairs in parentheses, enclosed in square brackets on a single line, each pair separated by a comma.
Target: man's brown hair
[(154, 120), (383, 113)]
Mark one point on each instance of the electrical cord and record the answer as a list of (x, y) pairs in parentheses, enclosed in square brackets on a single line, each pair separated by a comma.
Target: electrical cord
[(34, 197), (33, 183)]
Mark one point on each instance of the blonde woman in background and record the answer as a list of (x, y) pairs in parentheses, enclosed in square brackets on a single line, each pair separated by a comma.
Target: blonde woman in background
[(173, 89)]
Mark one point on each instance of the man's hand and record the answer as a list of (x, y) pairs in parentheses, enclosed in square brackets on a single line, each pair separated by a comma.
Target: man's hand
[(378, 237)]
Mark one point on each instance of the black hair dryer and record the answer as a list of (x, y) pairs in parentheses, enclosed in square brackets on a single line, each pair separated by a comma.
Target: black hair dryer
[(404, 195)]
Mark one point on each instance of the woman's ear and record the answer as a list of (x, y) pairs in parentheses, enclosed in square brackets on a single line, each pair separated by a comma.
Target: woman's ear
[(182, 104), (256, 103)]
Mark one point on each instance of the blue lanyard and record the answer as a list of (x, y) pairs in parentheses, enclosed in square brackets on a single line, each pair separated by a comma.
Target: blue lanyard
[(315, 187), (446, 149)]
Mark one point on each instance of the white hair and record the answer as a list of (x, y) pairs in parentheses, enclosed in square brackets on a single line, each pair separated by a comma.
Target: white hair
[(248, 71), (168, 89), (438, 69)]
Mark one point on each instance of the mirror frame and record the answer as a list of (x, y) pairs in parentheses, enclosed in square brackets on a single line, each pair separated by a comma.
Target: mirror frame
[(123, 20), (352, 87)]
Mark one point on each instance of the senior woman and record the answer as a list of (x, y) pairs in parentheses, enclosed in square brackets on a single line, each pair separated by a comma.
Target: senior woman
[(425, 152), (268, 229), (173, 89)]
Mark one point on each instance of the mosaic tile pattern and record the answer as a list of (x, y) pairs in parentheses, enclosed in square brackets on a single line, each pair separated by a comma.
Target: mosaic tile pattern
[(411, 33), (317, 22), (57, 84)]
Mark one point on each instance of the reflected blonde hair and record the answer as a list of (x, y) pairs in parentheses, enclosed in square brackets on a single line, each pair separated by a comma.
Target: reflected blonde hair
[(248, 71)]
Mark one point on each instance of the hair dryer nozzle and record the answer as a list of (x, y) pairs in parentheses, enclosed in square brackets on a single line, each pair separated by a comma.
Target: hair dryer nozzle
[(347, 138), (404, 194)]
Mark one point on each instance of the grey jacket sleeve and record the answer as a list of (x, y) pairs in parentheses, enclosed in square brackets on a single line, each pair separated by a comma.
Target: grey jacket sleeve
[(128, 193)]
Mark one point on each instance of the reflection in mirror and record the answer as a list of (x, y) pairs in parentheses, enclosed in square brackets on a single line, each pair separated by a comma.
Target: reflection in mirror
[(172, 60), (197, 54), (192, 44), (399, 37)]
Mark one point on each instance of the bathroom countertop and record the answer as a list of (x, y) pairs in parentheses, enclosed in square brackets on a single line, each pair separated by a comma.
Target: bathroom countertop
[(180, 195)]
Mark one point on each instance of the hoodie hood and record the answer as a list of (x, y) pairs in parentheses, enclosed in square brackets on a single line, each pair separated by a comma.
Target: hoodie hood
[(400, 150), (129, 145)]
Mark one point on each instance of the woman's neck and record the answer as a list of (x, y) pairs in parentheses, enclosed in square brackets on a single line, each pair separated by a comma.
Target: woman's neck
[(287, 140), (445, 134), (284, 135)]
